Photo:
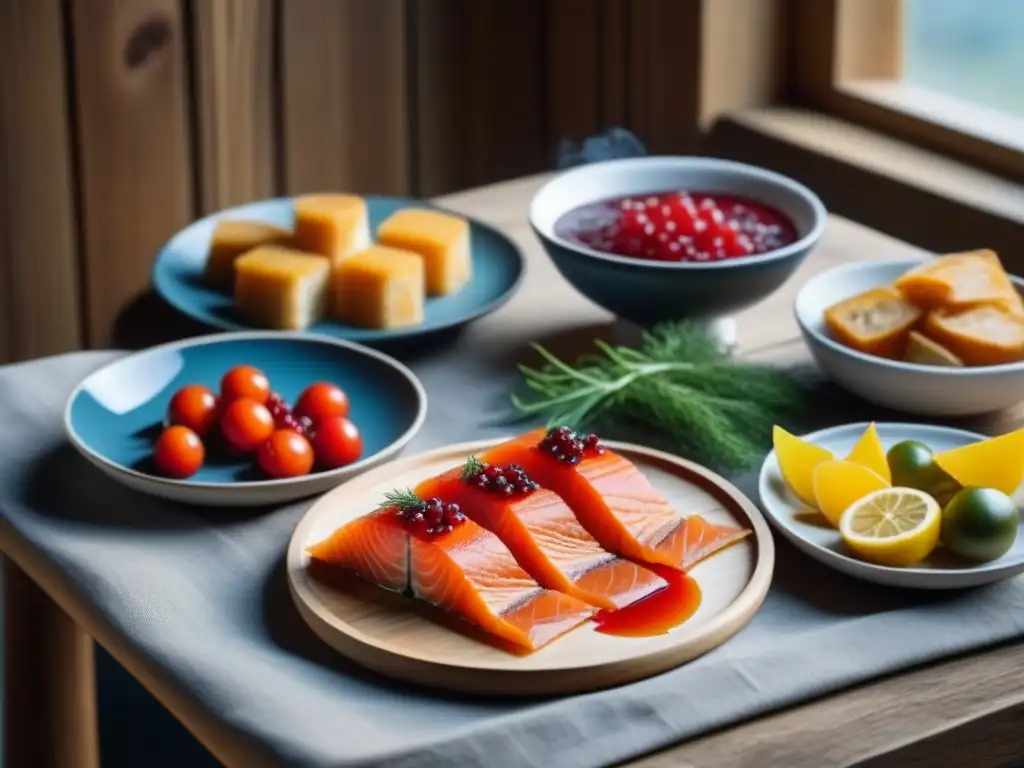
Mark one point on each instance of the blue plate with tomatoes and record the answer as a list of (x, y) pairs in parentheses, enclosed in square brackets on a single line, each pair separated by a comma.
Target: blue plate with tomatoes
[(244, 419)]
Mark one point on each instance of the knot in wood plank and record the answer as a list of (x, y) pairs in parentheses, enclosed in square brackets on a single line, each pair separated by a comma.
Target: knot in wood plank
[(149, 37)]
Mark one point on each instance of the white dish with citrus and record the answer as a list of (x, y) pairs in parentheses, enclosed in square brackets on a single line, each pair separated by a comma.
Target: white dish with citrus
[(906, 505)]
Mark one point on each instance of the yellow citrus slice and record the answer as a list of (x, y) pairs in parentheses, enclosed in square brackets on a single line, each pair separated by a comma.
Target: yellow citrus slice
[(797, 460), (840, 484), (869, 452), (995, 463), (895, 526)]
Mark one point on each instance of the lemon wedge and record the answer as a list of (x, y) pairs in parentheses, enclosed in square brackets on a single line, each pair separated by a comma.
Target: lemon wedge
[(869, 452), (893, 526), (840, 484), (797, 460)]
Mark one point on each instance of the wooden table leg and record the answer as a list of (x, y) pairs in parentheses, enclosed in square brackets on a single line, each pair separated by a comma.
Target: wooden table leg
[(49, 681)]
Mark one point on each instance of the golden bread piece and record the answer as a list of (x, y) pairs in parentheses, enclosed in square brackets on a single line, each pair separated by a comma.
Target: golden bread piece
[(876, 322), (281, 288), (958, 281), (334, 226), (982, 335), (442, 239), (924, 351), (379, 287), (231, 238)]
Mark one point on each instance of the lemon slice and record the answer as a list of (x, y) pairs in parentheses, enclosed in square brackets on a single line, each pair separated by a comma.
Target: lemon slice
[(894, 526)]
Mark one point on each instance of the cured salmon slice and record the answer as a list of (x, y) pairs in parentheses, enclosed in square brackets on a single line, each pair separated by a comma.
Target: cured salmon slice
[(466, 571), (548, 541), (696, 539), (617, 505)]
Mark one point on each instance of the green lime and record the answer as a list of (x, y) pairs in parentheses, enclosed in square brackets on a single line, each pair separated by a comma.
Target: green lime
[(980, 523), (912, 464)]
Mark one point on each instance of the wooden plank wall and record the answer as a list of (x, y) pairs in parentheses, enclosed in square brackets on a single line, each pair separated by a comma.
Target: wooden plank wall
[(123, 120)]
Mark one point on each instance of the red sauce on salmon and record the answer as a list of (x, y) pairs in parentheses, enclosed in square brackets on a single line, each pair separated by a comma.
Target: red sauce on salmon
[(657, 613)]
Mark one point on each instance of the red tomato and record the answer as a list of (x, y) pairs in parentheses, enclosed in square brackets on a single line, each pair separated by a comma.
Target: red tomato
[(195, 407), (245, 381), (246, 424), (179, 452), (286, 453), (321, 401), (336, 442)]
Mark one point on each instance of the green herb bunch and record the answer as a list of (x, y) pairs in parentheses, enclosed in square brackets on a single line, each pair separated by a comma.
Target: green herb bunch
[(678, 383)]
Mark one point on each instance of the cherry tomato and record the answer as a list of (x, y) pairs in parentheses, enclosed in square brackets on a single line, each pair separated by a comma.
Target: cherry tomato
[(286, 453), (245, 381), (246, 424), (321, 401), (336, 442), (179, 452), (195, 407)]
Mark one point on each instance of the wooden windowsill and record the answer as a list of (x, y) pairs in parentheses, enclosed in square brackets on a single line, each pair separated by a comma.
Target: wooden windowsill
[(957, 115), (917, 195)]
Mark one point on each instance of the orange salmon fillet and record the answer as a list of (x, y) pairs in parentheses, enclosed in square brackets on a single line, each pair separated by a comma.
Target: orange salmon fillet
[(617, 504), (549, 543), (467, 571)]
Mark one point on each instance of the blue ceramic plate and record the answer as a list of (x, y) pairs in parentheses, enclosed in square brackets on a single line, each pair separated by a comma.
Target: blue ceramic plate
[(178, 273), (113, 417)]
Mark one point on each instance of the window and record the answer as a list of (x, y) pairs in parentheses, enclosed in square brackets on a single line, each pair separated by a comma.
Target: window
[(969, 50), (944, 74)]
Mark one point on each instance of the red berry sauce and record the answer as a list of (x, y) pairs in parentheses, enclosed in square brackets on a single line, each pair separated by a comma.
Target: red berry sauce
[(678, 226)]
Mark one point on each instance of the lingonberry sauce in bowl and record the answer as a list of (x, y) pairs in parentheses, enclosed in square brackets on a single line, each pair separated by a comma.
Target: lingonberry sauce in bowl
[(678, 226), (667, 238)]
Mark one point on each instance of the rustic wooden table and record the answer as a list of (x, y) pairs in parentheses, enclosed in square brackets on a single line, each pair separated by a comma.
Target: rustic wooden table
[(932, 716)]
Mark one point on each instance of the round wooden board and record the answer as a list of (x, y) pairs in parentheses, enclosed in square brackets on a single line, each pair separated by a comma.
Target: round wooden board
[(402, 638)]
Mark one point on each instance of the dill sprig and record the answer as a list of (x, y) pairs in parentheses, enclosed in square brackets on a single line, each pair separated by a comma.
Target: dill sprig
[(471, 468), (403, 498), (677, 382)]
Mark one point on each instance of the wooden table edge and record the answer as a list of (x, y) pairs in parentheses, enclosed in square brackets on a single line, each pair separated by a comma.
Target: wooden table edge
[(228, 747), (842, 727)]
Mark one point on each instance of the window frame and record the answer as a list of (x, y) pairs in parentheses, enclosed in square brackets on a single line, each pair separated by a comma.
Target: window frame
[(847, 62)]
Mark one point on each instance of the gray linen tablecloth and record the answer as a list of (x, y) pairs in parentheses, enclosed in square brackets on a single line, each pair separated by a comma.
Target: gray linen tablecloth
[(200, 595)]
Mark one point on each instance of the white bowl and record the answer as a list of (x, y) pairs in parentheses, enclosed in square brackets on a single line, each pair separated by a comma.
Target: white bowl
[(924, 390)]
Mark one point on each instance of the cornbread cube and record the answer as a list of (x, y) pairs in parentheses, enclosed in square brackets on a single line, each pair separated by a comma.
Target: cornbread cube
[(334, 226), (379, 287), (281, 288), (231, 238), (440, 238)]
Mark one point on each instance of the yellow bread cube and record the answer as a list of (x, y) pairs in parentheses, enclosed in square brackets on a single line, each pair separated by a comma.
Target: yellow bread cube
[(440, 238), (334, 226), (231, 238), (380, 287), (281, 288)]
